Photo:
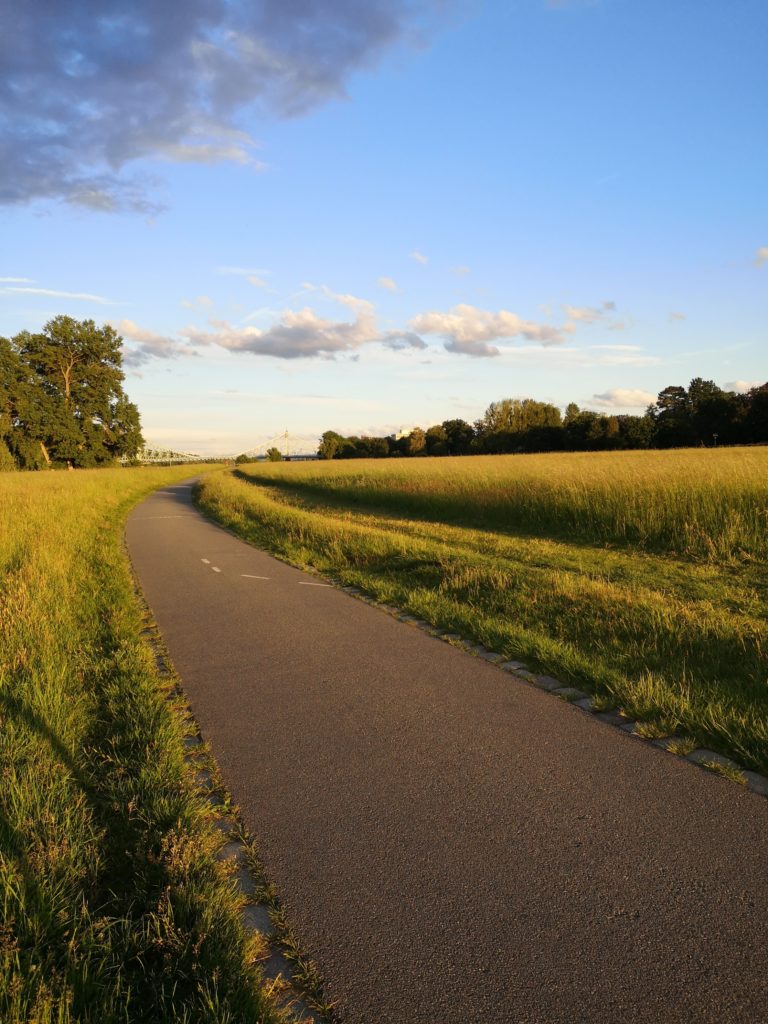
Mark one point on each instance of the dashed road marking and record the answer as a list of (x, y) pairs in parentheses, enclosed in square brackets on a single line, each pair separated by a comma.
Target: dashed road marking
[(247, 576), (216, 568), (314, 584), (207, 562)]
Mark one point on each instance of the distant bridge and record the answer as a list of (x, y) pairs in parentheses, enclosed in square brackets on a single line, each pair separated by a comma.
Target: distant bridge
[(150, 455), (291, 446)]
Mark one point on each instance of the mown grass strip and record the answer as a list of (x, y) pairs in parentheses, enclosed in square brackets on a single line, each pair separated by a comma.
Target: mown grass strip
[(114, 908), (678, 643)]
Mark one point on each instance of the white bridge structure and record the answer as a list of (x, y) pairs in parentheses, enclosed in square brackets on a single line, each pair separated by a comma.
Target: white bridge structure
[(290, 446), (154, 455)]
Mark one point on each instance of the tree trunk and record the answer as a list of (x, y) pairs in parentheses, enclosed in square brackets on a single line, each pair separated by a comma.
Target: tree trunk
[(46, 456)]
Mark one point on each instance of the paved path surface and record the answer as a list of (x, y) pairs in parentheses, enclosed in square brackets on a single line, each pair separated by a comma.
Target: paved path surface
[(452, 846)]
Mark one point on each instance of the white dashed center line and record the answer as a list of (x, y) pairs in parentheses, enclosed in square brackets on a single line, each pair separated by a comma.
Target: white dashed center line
[(216, 568), (207, 562), (248, 576), (314, 584)]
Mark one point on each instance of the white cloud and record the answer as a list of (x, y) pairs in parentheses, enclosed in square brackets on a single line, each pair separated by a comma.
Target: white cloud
[(388, 283), (352, 302), (133, 81), (419, 257), (199, 300), (583, 314), (257, 282), (461, 271), (212, 153), (674, 317), (468, 330), (761, 256), (624, 398), (147, 344), (82, 296), (742, 386), (16, 280), (592, 314), (618, 348), (401, 340), (298, 335)]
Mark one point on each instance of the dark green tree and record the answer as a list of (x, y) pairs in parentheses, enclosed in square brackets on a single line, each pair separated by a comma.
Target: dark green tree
[(459, 436), (672, 418), (437, 441), (756, 414), (416, 442), (274, 455), (330, 445), (67, 398)]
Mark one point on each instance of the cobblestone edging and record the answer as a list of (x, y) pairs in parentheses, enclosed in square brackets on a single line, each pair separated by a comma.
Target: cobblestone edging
[(290, 979), (706, 759)]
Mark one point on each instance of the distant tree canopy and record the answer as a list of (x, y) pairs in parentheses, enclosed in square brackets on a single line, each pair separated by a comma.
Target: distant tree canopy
[(61, 397), (702, 414)]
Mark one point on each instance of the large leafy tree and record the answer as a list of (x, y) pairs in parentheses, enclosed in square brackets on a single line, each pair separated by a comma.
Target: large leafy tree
[(61, 394)]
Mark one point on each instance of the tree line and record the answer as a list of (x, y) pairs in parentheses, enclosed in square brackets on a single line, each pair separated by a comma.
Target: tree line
[(61, 398), (700, 415)]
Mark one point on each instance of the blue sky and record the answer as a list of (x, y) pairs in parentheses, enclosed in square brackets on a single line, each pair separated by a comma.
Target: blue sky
[(362, 216)]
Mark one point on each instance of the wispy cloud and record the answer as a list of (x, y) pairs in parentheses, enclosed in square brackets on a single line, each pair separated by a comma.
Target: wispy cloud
[(419, 257), (243, 271), (461, 271), (54, 293), (199, 300), (16, 280), (387, 283), (595, 314), (761, 256), (624, 398), (675, 317)]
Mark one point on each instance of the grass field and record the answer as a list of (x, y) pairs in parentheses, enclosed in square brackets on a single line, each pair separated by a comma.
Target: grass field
[(639, 576), (114, 907)]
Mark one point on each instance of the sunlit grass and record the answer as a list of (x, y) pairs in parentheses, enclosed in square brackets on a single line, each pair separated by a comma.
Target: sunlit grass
[(707, 503), (663, 620), (113, 906)]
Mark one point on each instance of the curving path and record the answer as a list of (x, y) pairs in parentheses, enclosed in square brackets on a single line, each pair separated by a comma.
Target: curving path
[(453, 846)]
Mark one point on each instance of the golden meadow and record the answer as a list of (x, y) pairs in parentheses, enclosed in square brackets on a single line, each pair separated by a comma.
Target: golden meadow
[(638, 576), (114, 908)]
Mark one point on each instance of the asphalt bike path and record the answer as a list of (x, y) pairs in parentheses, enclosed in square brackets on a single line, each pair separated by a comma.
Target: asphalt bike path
[(451, 845)]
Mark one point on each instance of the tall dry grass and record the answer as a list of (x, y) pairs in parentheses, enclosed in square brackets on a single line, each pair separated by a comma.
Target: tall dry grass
[(113, 906), (675, 634), (706, 503)]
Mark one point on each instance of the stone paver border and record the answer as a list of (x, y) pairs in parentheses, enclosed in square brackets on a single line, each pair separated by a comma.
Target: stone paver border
[(292, 981), (708, 760)]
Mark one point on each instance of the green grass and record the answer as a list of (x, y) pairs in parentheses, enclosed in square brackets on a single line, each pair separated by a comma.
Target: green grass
[(639, 577), (114, 908)]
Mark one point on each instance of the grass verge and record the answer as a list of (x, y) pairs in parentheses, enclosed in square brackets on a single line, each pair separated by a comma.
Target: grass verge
[(114, 907), (675, 640)]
